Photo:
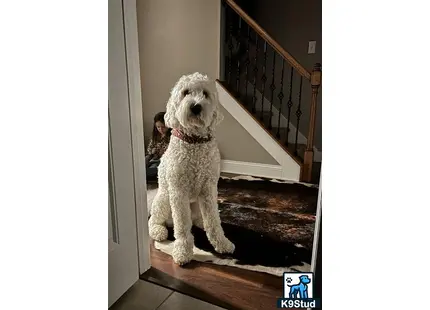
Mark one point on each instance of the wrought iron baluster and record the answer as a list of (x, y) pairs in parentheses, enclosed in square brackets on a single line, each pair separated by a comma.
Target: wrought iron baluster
[(224, 39), (247, 61), (254, 98), (230, 45), (263, 79), (298, 114), (272, 89), (290, 104), (281, 96), (238, 58)]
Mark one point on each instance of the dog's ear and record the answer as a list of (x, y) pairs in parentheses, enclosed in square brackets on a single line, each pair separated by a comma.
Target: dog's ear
[(170, 119), (219, 117)]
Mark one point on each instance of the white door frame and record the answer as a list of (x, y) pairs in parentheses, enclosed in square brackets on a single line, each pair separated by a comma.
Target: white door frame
[(128, 242), (136, 120), (317, 227)]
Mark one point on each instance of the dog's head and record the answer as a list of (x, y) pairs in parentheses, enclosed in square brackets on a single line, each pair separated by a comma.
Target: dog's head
[(193, 105), (304, 279)]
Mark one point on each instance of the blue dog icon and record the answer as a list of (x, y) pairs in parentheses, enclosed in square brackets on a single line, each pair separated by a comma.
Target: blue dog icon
[(301, 288)]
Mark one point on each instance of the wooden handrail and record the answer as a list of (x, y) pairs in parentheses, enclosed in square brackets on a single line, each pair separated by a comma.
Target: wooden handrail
[(290, 59), (315, 84)]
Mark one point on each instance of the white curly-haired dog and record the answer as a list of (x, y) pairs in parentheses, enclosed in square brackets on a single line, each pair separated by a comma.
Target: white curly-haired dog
[(190, 168)]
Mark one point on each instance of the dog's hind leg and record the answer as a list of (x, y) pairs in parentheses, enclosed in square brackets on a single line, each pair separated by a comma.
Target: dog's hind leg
[(160, 213), (181, 214), (292, 294), (212, 221)]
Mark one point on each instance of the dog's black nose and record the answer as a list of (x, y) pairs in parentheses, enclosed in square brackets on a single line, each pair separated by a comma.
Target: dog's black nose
[(196, 109)]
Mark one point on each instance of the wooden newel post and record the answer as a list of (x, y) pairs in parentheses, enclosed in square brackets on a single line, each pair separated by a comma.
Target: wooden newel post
[(309, 153)]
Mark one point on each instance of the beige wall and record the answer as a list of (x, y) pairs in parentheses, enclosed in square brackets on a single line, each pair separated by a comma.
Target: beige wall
[(237, 144), (177, 37), (293, 23)]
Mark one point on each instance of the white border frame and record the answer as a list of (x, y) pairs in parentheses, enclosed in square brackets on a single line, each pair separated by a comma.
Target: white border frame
[(136, 120)]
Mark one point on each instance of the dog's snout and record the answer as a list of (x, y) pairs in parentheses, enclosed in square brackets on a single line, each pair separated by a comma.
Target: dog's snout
[(196, 109)]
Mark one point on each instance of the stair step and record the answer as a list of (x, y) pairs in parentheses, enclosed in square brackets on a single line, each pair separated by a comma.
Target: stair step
[(291, 145), (266, 117), (266, 114), (267, 120), (283, 132)]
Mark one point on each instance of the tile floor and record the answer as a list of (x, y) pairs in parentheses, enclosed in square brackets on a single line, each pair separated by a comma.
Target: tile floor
[(147, 296)]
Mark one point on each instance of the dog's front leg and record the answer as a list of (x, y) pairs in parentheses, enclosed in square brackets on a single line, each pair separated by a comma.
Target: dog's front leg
[(305, 294), (181, 214), (212, 221)]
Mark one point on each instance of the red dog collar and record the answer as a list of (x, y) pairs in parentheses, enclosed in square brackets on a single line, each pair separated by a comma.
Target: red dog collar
[(192, 139)]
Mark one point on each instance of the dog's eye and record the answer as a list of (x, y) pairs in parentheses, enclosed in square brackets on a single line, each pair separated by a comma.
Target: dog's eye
[(186, 92), (206, 94)]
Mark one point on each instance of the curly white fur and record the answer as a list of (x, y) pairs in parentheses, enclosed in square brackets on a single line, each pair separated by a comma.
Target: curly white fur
[(188, 173)]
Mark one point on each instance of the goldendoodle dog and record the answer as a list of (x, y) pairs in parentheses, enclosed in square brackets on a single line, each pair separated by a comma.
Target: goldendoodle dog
[(190, 168)]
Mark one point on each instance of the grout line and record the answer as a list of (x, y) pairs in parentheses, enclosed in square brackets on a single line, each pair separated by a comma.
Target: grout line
[(164, 300)]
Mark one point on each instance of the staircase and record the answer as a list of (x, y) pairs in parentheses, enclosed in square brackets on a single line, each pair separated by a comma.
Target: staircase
[(266, 89)]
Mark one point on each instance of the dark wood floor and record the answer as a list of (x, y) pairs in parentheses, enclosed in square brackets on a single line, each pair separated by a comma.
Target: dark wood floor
[(227, 287)]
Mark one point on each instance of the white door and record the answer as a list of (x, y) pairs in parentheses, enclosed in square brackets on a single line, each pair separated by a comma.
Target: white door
[(125, 210)]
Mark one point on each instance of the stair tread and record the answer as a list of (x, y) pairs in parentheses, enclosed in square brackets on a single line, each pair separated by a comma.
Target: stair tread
[(283, 132)]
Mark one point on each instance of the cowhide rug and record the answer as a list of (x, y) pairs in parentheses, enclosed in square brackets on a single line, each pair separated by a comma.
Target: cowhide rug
[(271, 222)]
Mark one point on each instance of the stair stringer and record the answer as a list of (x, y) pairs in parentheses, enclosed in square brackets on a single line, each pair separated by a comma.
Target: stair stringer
[(290, 167)]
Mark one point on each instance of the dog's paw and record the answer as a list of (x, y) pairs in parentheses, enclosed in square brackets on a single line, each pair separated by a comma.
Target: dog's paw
[(182, 252), (224, 246), (158, 232)]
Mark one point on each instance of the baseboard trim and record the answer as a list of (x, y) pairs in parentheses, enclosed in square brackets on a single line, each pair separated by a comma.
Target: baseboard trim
[(251, 169)]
